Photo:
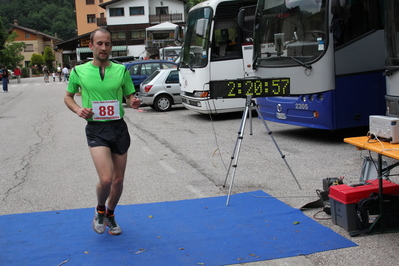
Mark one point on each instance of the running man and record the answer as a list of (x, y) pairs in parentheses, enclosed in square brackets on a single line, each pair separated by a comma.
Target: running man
[(103, 84)]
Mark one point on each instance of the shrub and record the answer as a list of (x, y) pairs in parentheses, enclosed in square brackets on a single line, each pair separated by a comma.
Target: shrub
[(35, 71), (24, 72)]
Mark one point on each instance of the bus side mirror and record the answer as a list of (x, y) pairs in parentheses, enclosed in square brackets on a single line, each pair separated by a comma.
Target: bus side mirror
[(177, 35), (279, 42), (241, 18), (200, 29)]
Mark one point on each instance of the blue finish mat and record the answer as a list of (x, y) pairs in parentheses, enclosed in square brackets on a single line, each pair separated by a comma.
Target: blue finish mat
[(188, 232)]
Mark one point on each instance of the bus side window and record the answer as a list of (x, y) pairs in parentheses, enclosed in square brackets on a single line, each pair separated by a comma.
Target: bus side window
[(222, 48), (225, 30), (224, 33), (337, 27), (232, 47), (357, 23)]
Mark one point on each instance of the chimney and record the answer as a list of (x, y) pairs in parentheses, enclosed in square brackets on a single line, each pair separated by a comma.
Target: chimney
[(15, 22)]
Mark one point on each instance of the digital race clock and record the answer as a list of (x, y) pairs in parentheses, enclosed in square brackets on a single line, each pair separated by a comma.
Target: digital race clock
[(241, 88)]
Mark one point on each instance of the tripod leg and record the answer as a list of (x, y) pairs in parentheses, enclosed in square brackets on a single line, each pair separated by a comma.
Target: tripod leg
[(237, 148), (235, 160), (278, 148), (231, 162), (250, 118), (239, 137)]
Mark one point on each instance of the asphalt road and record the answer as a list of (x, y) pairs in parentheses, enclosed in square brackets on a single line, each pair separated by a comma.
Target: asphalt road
[(45, 164)]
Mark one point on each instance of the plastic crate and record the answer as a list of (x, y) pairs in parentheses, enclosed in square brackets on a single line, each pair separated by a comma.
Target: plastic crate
[(344, 199)]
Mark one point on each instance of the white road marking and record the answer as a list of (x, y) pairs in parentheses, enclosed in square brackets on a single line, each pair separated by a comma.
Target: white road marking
[(147, 150), (167, 167), (196, 191)]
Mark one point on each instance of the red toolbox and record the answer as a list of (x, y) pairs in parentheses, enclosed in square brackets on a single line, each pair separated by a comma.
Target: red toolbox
[(344, 199)]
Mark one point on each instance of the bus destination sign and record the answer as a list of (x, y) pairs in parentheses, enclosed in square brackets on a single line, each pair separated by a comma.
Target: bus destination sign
[(241, 88)]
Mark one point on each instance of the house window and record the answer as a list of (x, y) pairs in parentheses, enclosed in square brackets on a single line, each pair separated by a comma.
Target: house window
[(116, 12), (89, 2), (101, 1), (119, 53), (163, 10), (91, 18), (27, 36), (161, 35), (136, 10), (120, 35), (137, 34), (28, 48)]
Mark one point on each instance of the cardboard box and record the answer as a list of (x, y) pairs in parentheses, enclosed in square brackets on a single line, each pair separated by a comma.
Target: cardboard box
[(344, 199)]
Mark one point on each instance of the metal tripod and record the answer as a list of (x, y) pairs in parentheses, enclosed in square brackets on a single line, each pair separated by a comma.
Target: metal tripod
[(237, 147)]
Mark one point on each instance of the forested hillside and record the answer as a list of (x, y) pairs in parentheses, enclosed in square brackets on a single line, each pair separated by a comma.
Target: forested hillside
[(48, 16)]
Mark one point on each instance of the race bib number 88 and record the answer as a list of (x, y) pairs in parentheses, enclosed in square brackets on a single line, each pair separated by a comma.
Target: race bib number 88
[(106, 110)]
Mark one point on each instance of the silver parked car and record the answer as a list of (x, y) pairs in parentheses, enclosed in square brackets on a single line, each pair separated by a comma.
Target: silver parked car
[(161, 89)]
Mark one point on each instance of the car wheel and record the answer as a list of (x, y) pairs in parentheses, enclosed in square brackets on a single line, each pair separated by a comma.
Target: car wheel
[(163, 103)]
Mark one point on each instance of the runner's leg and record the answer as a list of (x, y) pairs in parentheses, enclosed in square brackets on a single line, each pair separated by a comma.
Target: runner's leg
[(119, 162), (111, 170)]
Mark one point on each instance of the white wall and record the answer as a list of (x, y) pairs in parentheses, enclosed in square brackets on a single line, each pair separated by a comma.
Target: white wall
[(127, 19), (150, 6), (174, 6), (137, 50)]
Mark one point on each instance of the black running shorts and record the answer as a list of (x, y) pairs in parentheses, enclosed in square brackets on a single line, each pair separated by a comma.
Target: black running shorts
[(112, 134)]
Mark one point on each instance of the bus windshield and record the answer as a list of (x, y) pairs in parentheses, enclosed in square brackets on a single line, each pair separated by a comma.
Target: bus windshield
[(290, 32), (392, 32), (196, 41)]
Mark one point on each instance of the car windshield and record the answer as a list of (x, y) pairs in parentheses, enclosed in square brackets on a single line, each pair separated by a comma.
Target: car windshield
[(151, 77)]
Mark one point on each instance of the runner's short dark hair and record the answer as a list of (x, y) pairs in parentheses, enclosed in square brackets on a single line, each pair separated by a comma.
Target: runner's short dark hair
[(102, 30)]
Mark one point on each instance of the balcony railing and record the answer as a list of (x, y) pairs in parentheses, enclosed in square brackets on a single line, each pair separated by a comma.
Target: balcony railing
[(177, 17), (159, 43), (154, 19)]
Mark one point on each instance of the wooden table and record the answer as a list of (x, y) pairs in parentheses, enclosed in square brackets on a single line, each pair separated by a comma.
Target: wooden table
[(383, 149)]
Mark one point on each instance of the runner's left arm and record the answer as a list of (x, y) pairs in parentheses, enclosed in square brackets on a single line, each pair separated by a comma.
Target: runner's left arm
[(129, 90)]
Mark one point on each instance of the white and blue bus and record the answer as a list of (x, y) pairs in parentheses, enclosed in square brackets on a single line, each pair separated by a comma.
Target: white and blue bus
[(333, 54), (392, 68), (215, 48)]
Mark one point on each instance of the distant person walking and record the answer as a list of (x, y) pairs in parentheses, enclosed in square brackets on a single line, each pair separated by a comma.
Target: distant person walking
[(59, 72), (46, 73), (17, 73), (4, 72), (65, 72)]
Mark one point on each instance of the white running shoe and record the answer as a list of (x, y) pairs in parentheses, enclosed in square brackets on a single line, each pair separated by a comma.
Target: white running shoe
[(98, 221), (114, 228)]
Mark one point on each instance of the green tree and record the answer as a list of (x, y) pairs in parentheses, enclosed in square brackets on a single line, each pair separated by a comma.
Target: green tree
[(36, 60), (48, 16), (11, 56), (191, 3), (3, 35), (48, 57)]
